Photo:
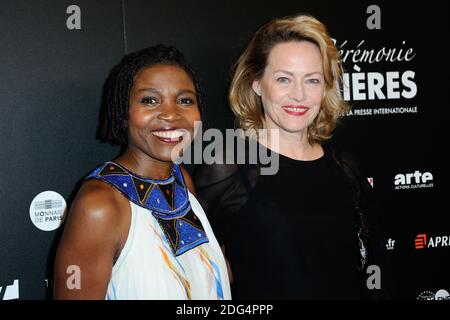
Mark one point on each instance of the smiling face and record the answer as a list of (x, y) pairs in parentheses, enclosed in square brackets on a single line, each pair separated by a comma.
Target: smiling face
[(292, 87), (163, 108)]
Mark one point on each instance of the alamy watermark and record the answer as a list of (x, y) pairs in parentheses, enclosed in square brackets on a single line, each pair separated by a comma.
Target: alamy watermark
[(236, 146), (74, 279)]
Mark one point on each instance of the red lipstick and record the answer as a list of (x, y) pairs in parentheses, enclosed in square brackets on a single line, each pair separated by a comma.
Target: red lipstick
[(295, 110)]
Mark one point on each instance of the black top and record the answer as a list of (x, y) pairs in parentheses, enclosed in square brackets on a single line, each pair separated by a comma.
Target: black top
[(292, 235), (296, 237)]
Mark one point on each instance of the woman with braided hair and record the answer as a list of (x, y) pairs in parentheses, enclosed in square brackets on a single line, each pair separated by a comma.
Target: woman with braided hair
[(135, 229)]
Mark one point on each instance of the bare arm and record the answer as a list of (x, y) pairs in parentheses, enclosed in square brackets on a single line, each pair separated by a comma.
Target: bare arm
[(90, 242)]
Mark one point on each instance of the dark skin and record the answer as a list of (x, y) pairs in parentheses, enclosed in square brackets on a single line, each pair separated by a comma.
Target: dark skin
[(163, 103)]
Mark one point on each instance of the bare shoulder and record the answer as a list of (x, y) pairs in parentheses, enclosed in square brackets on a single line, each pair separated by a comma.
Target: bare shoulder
[(97, 193), (97, 200), (188, 179), (99, 214), (92, 240)]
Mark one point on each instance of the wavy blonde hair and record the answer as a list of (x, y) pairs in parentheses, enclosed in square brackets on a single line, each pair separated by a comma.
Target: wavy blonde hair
[(250, 66)]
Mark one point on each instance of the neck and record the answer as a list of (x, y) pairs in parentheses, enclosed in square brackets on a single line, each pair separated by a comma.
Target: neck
[(295, 146), (144, 165)]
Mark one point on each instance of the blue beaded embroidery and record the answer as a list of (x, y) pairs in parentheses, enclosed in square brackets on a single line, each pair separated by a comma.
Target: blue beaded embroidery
[(167, 200)]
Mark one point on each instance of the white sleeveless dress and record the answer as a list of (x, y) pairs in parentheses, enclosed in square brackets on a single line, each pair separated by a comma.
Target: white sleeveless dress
[(147, 268)]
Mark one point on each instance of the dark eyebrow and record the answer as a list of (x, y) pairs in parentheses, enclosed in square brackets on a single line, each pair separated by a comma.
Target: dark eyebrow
[(150, 90), (187, 91), (154, 90)]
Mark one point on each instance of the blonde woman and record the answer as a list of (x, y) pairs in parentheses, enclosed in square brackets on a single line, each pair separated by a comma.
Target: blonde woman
[(300, 233)]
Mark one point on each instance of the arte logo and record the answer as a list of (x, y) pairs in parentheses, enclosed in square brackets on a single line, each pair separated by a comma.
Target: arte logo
[(47, 210), (416, 180), (441, 294), (421, 241), (10, 292)]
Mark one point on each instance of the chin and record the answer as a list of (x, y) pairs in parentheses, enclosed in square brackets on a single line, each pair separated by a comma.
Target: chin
[(172, 154), (165, 157), (294, 128)]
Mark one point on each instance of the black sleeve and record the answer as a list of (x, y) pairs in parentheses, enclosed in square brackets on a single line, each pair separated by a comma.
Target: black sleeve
[(372, 208), (221, 192)]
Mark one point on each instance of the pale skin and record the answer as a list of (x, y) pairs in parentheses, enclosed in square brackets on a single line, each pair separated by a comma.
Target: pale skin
[(99, 218), (292, 82)]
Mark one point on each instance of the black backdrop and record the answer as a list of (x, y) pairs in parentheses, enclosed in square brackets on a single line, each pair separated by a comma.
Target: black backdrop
[(50, 88)]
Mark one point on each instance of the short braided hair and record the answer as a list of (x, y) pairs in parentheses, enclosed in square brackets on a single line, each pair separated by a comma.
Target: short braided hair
[(117, 88)]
